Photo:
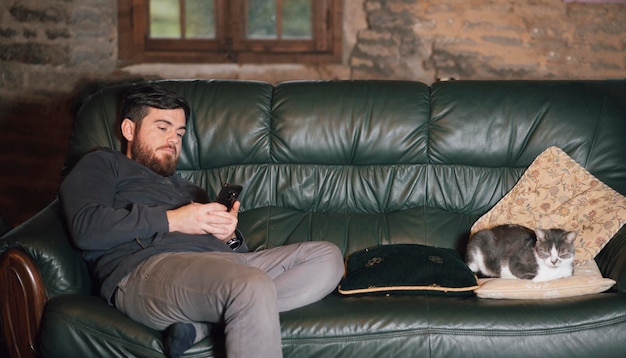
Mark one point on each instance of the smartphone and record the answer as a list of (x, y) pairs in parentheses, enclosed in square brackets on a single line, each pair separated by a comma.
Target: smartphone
[(228, 195)]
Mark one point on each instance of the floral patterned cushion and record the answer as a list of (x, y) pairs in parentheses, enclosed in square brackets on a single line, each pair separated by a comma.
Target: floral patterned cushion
[(557, 192)]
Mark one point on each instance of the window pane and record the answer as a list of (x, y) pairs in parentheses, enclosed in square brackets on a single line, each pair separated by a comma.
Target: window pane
[(297, 19), (200, 19), (164, 19), (261, 22)]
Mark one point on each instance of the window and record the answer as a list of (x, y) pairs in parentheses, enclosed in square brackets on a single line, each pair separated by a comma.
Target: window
[(222, 31)]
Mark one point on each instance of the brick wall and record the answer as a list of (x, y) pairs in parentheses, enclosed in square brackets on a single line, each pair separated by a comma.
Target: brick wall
[(481, 39), (50, 51)]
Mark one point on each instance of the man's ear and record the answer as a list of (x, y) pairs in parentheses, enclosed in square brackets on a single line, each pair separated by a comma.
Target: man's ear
[(128, 129)]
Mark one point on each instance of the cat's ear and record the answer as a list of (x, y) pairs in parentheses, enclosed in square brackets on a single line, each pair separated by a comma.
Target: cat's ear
[(541, 235), (570, 236)]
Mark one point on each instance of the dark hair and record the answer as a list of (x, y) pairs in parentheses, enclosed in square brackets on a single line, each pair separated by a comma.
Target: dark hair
[(139, 99)]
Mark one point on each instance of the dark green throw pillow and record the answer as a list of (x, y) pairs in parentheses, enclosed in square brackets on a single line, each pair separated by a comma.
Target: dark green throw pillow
[(407, 269)]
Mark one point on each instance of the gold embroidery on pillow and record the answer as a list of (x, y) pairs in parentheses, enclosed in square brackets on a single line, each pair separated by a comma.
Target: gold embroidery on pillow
[(374, 261), (436, 259)]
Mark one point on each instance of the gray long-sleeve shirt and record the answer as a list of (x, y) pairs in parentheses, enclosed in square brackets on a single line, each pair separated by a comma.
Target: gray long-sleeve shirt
[(116, 212)]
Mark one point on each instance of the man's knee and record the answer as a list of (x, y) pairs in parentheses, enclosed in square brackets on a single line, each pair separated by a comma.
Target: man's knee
[(335, 261), (253, 288), (328, 255)]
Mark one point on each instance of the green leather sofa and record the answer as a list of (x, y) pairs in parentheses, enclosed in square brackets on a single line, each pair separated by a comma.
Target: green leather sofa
[(358, 163)]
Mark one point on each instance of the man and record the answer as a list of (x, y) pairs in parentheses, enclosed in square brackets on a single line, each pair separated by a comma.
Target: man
[(158, 247)]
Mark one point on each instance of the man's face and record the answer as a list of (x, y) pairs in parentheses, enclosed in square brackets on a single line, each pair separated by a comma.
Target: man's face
[(157, 141)]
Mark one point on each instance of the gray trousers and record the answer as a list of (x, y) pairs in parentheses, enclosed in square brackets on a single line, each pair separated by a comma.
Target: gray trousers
[(245, 291)]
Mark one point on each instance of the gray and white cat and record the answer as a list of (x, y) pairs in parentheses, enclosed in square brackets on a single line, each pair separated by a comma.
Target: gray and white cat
[(514, 251)]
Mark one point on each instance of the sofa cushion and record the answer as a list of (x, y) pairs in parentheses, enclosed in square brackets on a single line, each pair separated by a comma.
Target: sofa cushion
[(77, 325), (557, 192), (424, 326), (587, 279), (407, 268)]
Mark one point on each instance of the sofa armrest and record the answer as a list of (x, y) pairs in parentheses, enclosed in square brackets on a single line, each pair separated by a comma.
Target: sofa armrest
[(45, 238), (38, 262), (22, 300), (612, 259)]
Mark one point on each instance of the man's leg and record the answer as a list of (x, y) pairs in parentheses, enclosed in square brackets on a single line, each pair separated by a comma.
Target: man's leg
[(303, 273), (206, 287)]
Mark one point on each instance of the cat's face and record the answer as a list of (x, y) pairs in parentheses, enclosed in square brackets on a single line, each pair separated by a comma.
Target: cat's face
[(555, 247), (554, 256)]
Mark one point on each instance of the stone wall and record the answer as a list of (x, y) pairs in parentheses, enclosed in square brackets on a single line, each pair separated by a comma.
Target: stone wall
[(58, 46), (52, 51), (480, 39), (47, 47)]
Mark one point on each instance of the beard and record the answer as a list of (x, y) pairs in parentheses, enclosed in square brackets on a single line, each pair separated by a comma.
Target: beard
[(143, 155)]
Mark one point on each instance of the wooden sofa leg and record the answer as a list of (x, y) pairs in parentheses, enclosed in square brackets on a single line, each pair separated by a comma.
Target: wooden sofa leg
[(22, 298)]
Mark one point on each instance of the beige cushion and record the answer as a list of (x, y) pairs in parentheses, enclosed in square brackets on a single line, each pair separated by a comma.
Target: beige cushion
[(587, 279), (557, 192)]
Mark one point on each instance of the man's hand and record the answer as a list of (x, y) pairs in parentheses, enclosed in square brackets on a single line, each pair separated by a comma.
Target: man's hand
[(202, 219)]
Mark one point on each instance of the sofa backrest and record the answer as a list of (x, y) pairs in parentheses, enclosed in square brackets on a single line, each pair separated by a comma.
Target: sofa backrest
[(362, 163)]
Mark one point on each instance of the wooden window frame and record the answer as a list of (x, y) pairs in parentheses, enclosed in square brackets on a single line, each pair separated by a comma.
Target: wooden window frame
[(230, 44)]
